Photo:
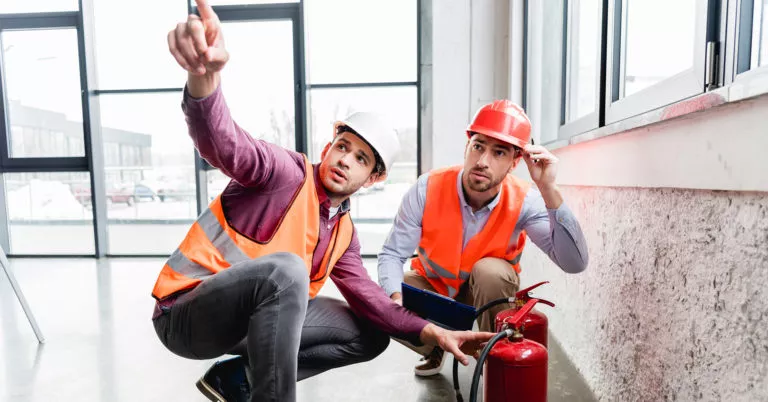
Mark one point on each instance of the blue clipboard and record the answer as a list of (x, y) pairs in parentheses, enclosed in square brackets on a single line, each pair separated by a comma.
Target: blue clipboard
[(438, 309)]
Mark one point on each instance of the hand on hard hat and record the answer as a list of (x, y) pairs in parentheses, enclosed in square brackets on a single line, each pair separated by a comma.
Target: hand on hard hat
[(542, 165)]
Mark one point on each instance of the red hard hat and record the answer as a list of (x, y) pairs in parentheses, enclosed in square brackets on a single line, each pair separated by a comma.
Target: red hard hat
[(504, 121)]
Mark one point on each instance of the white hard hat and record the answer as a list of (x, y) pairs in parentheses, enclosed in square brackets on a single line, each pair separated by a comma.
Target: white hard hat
[(380, 135)]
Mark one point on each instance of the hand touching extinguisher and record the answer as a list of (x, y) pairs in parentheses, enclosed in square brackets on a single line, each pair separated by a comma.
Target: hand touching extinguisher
[(535, 324), (516, 368)]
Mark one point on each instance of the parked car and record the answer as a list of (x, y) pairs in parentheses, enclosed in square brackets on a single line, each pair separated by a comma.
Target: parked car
[(180, 190), (127, 194)]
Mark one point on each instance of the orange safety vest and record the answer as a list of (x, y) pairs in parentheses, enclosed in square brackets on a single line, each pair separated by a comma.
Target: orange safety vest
[(212, 245), (440, 257)]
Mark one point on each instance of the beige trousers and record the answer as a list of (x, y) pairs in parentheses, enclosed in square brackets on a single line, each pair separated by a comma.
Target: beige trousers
[(491, 278)]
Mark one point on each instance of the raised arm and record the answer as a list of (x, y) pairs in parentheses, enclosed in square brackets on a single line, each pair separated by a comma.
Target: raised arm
[(198, 46)]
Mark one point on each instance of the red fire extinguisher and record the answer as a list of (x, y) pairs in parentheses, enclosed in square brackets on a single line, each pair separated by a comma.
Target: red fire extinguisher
[(535, 324), (516, 368)]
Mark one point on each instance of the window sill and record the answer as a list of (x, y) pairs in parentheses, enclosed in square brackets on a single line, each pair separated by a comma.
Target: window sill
[(748, 85)]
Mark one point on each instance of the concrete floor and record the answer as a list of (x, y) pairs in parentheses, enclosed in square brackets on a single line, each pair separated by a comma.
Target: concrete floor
[(101, 346)]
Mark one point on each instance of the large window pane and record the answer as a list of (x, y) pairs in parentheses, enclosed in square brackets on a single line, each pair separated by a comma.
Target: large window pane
[(217, 181), (583, 45), (43, 89), (150, 176), (658, 44), (49, 213), (374, 208), (258, 80), (37, 6), (361, 41), (544, 73), (131, 46)]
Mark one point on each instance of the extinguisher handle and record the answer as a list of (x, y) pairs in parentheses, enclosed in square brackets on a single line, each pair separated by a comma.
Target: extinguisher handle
[(523, 294), (517, 320)]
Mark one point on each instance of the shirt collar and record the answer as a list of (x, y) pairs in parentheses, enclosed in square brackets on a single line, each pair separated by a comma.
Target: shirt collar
[(322, 195), (491, 205)]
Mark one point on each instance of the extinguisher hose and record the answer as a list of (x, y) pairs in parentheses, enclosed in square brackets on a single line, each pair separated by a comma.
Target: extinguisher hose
[(478, 313), (456, 386), (493, 303), (481, 361)]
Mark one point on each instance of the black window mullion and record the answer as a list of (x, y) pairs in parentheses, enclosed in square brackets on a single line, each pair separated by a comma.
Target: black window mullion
[(18, 165), (39, 20)]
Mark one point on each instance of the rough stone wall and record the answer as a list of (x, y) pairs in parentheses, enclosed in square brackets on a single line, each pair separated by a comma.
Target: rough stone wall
[(674, 303)]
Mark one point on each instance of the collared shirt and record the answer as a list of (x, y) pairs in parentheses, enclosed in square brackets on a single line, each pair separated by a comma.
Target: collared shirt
[(555, 231), (265, 178)]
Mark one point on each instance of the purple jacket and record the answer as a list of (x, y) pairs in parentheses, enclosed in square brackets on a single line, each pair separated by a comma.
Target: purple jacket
[(264, 179)]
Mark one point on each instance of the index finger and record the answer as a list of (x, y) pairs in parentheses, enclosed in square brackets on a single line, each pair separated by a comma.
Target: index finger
[(535, 148), (205, 10), (480, 336)]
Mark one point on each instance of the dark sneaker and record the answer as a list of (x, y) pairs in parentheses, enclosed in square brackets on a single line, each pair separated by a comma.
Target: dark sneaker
[(430, 364), (226, 381)]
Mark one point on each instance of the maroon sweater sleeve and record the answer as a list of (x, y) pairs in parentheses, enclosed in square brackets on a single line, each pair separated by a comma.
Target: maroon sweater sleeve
[(368, 300), (226, 146)]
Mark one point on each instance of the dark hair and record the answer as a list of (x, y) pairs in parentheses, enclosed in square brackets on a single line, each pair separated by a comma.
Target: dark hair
[(379, 166)]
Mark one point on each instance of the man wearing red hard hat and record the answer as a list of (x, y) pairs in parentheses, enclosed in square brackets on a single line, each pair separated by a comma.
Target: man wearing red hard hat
[(468, 224)]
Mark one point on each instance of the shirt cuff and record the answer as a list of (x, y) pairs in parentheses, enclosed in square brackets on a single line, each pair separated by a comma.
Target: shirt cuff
[(199, 106), (391, 286)]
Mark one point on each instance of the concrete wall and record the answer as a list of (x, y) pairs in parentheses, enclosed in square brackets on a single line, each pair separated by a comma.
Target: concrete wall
[(672, 304)]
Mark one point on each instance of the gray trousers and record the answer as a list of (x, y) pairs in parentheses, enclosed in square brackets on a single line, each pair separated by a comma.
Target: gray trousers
[(260, 309)]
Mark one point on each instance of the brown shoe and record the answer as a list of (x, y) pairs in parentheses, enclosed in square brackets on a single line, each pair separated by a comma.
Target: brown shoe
[(431, 364)]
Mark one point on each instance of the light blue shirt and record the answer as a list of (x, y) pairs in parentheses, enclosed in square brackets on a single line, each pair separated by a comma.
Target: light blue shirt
[(555, 231)]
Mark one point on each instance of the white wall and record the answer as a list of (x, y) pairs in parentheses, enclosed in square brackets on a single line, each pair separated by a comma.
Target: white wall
[(470, 62), (725, 148)]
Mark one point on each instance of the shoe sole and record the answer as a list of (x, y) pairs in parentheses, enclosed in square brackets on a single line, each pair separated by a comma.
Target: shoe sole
[(209, 392), (428, 373)]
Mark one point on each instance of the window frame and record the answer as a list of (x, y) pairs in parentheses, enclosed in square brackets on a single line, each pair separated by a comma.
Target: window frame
[(93, 160), (739, 67), (28, 22), (673, 89), (595, 118), (722, 42)]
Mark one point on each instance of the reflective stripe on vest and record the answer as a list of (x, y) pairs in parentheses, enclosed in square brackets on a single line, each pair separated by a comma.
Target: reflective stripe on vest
[(212, 245), (182, 265), (220, 239), (434, 267), (442, 259)]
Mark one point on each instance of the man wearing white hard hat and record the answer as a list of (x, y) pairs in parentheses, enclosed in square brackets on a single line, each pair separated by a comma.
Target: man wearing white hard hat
[(244, 281)]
